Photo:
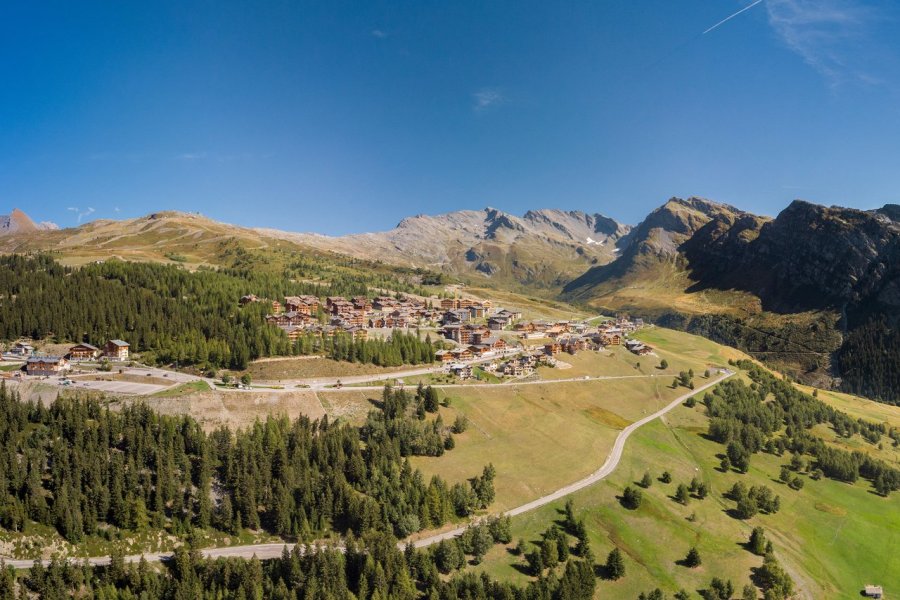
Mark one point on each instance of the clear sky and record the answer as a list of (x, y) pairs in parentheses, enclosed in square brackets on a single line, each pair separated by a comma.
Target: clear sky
[(347, 116)]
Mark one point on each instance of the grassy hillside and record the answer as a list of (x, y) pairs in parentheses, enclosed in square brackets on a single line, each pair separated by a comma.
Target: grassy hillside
[(832, 537)]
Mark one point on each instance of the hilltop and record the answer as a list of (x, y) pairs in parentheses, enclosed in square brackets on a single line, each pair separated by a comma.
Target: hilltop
[(167, 236)]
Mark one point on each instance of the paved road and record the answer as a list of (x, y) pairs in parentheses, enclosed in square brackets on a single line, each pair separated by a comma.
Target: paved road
[(511, 383), (612, 461), (264, 551), (328, 383)]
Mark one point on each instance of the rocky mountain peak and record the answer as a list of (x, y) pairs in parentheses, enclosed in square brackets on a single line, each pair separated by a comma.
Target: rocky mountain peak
[(18, 222)]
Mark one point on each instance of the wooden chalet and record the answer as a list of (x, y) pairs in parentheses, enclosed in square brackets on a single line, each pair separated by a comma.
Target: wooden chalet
[(462, 354), (293, 332), (497, 323), (480, 349), (553, 348), (46, 365), (116, 350), (83, 352), (613, 339), (297, 304)]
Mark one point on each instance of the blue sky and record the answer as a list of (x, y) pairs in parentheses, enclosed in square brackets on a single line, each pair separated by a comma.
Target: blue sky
[(347, 116)]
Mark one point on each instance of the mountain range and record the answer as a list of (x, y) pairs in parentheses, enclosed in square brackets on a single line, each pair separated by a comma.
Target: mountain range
[(814, 291), (540, 249)]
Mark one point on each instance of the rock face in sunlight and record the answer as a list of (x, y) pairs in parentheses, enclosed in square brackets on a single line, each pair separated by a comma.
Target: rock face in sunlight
[(18, 222)]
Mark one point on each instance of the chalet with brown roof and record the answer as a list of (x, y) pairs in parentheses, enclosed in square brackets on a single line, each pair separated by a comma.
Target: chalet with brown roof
[(398, 322), (293, 332), (289, 319), (517, 368), (276, 307), (555, 331), (116, 350), (479, 334), (613, 339), (384, 303), (362, 303), (553, 348), (480, 349), (497, 344), (296, 304), (330, 300), (83, 352), (443, 355), (462, 354)]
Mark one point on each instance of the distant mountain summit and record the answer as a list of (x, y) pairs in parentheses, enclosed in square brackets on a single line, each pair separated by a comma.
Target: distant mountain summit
[(654, 243), (18, 222), (542, 248)]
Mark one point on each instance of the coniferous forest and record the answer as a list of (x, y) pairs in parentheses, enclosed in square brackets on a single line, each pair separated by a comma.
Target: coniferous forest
[(773, 416), (869, 361), (79, 467), (170, 314), (85, 470)]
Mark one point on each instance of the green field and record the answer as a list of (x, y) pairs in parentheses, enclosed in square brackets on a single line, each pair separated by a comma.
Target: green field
[(832, 537)]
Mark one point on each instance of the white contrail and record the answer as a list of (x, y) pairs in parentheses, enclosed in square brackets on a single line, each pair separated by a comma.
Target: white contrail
[(726, 19)]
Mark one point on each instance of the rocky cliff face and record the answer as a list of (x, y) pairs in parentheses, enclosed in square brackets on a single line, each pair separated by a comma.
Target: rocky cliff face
[(809, 257)]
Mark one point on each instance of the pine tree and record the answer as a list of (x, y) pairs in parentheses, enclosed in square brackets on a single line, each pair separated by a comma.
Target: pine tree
[(615, 565)]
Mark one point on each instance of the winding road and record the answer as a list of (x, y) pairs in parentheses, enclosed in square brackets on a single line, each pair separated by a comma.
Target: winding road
[(274, 550)]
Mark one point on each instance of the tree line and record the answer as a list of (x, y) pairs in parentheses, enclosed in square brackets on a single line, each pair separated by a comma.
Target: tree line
[(399, 349)]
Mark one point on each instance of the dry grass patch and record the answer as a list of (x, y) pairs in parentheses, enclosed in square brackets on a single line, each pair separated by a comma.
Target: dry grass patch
[(275, 369), (214, 409)]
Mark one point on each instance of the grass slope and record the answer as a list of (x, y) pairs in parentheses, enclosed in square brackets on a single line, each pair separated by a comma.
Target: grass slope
[(832, 537)]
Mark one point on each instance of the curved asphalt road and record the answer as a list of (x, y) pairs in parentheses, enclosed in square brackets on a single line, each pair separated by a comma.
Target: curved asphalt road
[(268, 551)]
